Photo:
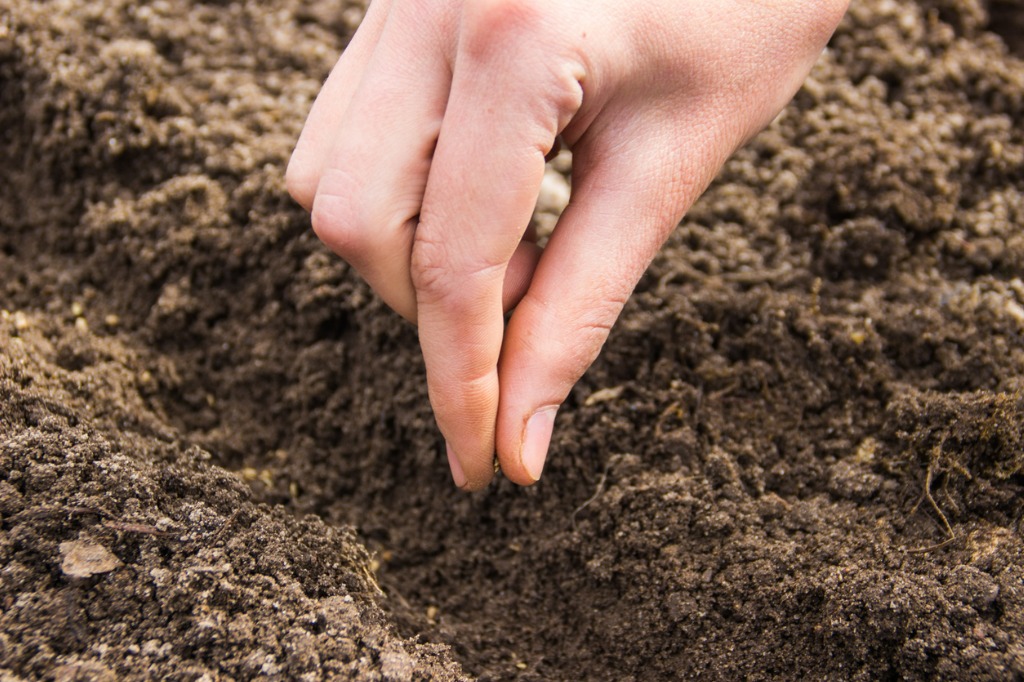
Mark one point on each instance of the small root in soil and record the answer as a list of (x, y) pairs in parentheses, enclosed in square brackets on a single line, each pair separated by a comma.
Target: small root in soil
[(926, 494)]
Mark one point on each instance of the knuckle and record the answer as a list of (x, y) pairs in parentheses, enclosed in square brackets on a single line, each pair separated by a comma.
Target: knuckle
[(487, 22), (549, 60), (590, 327), (465, 397), (300, 179), (337, 217), (440, 275), (580, 335)]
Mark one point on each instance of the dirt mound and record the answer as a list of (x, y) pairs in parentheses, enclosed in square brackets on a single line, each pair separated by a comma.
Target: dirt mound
[(127, 555), (798, 456)]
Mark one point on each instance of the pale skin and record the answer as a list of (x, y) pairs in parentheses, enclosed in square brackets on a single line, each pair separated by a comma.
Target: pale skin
[(422, 159)]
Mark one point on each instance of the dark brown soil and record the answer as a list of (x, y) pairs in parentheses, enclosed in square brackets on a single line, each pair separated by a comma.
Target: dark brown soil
[(800, 456)]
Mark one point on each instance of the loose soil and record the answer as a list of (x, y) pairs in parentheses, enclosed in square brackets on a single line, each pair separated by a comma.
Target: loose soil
[(800, 455)]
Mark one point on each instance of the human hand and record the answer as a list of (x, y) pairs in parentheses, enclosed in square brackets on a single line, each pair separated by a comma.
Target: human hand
[(422, 159)]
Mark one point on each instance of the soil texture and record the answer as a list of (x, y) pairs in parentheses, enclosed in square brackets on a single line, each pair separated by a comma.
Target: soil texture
[(800, 455)]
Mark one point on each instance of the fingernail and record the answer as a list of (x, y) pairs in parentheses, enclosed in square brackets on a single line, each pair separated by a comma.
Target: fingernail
[(453, 462), (537, 439)]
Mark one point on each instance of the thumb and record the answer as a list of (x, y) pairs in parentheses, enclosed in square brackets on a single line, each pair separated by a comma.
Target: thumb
[(620, 214)]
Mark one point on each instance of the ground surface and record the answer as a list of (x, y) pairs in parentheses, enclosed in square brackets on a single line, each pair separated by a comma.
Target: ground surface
[(799, 456)]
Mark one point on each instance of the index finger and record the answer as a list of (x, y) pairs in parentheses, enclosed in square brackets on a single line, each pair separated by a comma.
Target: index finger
[(482, 187)]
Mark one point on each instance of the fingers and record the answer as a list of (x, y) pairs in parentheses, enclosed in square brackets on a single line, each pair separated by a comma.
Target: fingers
[(623, 207), (362, 163), (372, 177), (324, 121), (482, 189)]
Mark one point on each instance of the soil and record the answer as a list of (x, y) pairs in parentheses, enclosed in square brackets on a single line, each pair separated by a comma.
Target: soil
[(800, 455)]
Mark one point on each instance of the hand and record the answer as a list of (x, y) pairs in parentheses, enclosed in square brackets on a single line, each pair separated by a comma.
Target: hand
[(422, 159)]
